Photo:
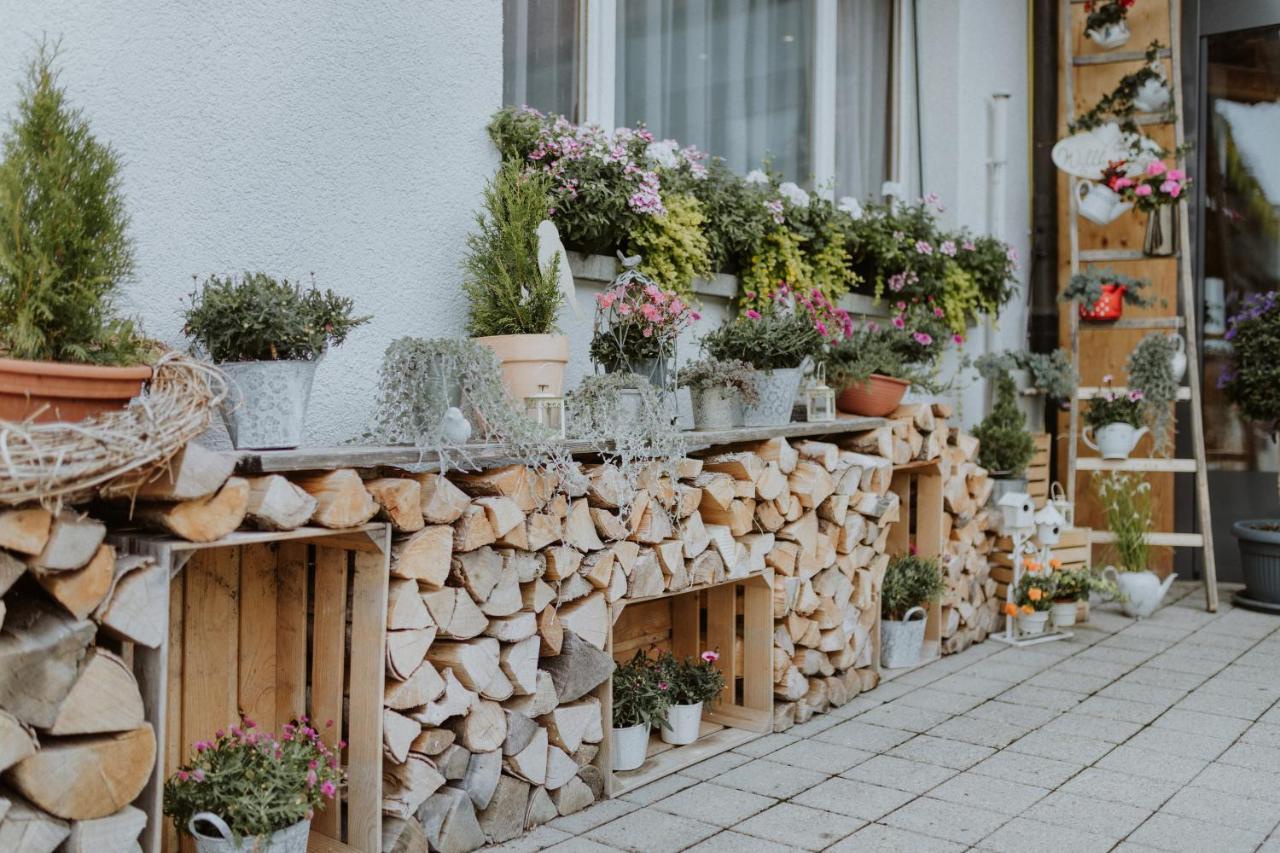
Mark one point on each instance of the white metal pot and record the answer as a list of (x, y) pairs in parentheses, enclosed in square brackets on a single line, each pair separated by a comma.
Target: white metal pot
[(1153, 96), (1142, 591), (1114, 441), (1032, 624), (901, 642), (1064, 613), (1178, 361), (1110, 36), (683, 723), (777, 395), (291, 839), (1100, 204), (266, 408), (630, 746), (716, 408)]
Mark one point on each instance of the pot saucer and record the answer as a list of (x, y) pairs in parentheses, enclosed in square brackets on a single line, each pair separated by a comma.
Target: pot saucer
[(1242, 600)]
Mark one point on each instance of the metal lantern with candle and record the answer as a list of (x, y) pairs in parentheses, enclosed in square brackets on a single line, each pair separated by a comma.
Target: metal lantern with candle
[(819, 398), (546, 409)]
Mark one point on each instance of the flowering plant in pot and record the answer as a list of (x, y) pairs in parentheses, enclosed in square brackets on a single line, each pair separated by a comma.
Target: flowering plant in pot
[(65, 256), (1127, 503), (1114, 421), (1107, 22), (1250, 382), (515, 296), (689, 683), (719, 390), (1070, 586), (1102, 293), (1156, 192), (911, 584), (640, 702), (1034, 600), (1103, 202), (268, 334), (1005, 447), (249, 790), (637, 326)]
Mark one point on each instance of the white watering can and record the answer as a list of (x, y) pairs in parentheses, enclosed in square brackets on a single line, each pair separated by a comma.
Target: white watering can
[(1153, 96), (1114, 441), (1110, 36), (1100, 204), (1142, 591)]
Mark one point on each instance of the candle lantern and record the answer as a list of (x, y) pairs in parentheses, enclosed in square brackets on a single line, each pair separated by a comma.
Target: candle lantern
[(819, 398), (546, 409)]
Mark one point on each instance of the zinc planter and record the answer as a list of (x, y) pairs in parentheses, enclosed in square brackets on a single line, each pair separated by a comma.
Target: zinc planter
[(1142, 591), (629, 746), (71, 392), (1032, 624), (875, 398), (530, 362), (716, 408), (1113, 441), (777, 391), (266, 408), (683, 723), (1259, 542), (1064, 614), (902, 641), (1002, 486), (291, 839)]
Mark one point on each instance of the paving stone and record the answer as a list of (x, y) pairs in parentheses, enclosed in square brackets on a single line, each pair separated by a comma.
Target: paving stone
[(1263, 734), (1245, 674), (913, 776), (1076, 750), (1002, 670), (664, 787), (1196, 649), (712, 803), (593, 816), (955, 754), (1241, 782), (982, 687), (857, 705), (877, 838), (1096, 668), (1185, 663), (985, 792), (1149, 764), (1197, 722), (581, 844), (736, 842), (800, 826), (1105, 817), (535, 839), (1022, 835), (904, 717), (1074, 723), (1157, 677), (1224, 706), (1027, 769), (762, 746), (818, 755), (1208, 637), (715, 765), (1074, 682), (1224, 684), (1145, 694), (1169, 633), (964, 824), (887, 691), (1110, 786), (1039, 657), (922, 676), (1042, 697), (652, 831), (818, 723), (770, 778), (1172, 832), (853, 798), (1225, 809), (1206, 746), (1252, 755), (1120, 709), (991, 733), (860, 735), (1127, 657), (938, 700), (1024, 716)]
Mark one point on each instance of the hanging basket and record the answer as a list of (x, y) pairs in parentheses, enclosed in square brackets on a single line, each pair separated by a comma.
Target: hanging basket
[(1108, 308)]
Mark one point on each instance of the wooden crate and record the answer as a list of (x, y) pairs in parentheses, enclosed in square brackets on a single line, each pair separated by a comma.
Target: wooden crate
[(921, 524), (1038, 470), (272, 626), (734, 617)]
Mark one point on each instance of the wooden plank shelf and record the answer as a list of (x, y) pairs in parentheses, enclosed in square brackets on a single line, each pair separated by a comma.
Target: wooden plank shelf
[(1088, 392), (1135, 323), (1117, 56), (1172, 540), (663, 759), (1143, 466), (920, 524)]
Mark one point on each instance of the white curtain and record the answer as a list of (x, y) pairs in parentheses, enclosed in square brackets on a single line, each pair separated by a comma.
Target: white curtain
[(863, 103), (540, 55), (733, 77)]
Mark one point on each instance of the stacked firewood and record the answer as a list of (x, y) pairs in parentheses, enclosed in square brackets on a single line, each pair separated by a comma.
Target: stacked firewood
[(970, 607)]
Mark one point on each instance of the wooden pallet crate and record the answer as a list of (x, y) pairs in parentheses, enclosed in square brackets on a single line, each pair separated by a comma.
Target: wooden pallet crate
[(921, 524), (272, 626), (1038, 470)]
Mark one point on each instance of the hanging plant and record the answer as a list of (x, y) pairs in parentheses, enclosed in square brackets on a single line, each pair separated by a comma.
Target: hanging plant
[(1108, 14), (1150, 371), (673, 249), (1086, 287), (1051, 373), (1119, 105)]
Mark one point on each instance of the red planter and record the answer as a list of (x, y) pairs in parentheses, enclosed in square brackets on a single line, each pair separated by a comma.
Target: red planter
[(1109, 306), (875, 398)]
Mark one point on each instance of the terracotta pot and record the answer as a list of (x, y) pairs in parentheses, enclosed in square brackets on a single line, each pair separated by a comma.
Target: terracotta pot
[(875, 398), (530, 362), (1108, 308), (73, 392)]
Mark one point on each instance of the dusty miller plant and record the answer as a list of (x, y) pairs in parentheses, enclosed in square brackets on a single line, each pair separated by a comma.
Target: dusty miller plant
[(1150, 370), (732, 374), (1051, 372)]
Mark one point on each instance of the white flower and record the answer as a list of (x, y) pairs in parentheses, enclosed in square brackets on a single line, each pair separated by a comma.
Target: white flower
[(664, 153), (792, 192), (851, 206), (755, 176)]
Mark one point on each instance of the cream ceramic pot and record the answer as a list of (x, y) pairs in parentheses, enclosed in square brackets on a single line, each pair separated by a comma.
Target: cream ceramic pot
[(1100, 204), (1153, 96), (1110, 36), (1114, 441)]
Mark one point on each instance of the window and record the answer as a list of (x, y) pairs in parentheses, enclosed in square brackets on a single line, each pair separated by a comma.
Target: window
[(805, 84)]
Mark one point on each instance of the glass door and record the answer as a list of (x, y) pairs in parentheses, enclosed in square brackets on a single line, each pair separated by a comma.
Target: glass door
[(1239, 223)]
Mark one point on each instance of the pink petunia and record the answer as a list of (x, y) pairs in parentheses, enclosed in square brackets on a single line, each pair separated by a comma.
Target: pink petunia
[(1135, 395), (753, 314), (899, 323), (1155, 167), (328, 789), (647, 331), (969, 246), (1143, 190), (662, 685), (1176, 175), (923, 338), (695, 315), (710, 656)]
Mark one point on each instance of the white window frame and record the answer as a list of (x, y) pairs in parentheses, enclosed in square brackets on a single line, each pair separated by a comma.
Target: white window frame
[(597, 81)]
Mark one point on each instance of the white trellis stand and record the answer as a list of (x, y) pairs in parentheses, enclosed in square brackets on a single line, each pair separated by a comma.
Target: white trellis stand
[(1019, 522)]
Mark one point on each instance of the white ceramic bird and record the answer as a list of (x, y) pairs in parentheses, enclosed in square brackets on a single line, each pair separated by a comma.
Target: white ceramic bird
[(454, 426)]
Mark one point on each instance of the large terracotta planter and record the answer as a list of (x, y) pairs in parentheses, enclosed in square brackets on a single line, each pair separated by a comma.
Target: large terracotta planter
[(875, 398), (72, 392), (530, 362)]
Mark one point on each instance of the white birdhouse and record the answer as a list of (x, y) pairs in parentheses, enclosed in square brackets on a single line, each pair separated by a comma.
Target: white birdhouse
[(1049, 524), (1017, 511)]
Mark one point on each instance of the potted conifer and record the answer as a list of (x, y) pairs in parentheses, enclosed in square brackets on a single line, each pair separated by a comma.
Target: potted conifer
[(1005, 447)]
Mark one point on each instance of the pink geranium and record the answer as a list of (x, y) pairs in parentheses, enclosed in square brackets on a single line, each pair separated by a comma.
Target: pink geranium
[(1142, 190), (1156, 168), (1171, 188)]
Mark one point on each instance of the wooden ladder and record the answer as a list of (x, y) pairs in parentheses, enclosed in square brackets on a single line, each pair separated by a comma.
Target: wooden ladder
[(1185, 322)]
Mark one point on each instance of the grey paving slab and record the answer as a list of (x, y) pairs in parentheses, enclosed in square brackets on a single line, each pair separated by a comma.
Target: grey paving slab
[(949, 821), (1074, 723), (1076, 750), (800, 826), (1108, 785), (1028, 769), (1225, 809), (651, 831), (1206, 745), (1241, 782), (1263, 734), (1173, 832), (904, 717), (1004, 670), (828, 758), (1043, 697), (1106, 817), (535, 839), (955, 754), (1184, 720), (1022, 835), (1136, 761), (735, 842), (989, 733), (860, 735), (581, 844), (1252, 755), (1120, 709), (938, 700), (715, 765), (1186, 663), (664, 787), (1230, 684), (770, 778), (1023, 716), (913, 776), (764, 745), (980, 686), (1073, 682), (877, 838), (856, 705), (1166, 678), (819, 723), (592, 816), (997, 795), (1225, 706), (853, 798), (712, 803), (1096, 668), (1146, 694)]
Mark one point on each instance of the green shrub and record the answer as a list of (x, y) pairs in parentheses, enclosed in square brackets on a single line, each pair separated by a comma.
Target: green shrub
[(691, 680), (1005, 446), (774, 340), (261, 318), (1150, 371), (510, 293), (910, 581), (65, 252), (712, 373), (1254, 377)]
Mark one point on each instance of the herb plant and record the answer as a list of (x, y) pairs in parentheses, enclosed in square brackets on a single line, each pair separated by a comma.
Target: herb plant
[(691, 680), (1126, 500), (733, 374), (258, 783), (910, 581), (1004, 444), (65, 252), (1111, 407), (1150, 370), (510, 292), (640, 696), (1051, 373), (260, 318)]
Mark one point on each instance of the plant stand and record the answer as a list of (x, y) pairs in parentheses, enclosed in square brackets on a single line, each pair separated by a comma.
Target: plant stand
[(919, 489), (246, 614), (1023, 549)]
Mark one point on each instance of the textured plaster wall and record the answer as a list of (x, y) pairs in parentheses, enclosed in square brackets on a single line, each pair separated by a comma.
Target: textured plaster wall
[(345, 139)]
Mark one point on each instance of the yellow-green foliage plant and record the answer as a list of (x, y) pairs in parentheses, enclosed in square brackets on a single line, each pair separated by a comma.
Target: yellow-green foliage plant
[(961, 298), (832, 266), (777, 260), (673, 246)]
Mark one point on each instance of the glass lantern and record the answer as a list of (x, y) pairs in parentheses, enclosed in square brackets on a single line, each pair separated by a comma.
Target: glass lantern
[(547, 410), (819, 398)]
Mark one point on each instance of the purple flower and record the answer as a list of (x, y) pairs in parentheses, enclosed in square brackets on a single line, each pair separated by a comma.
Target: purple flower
[(1135, 395), (923, 247), (948, 248), (197, 774), (968, 246)]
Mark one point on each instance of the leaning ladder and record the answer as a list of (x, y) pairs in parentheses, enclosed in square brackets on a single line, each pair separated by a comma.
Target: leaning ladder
[(1185, 322)]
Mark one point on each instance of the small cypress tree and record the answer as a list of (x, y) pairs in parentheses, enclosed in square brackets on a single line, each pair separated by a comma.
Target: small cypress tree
[(64, 248), (510, 293), (1005, 446)]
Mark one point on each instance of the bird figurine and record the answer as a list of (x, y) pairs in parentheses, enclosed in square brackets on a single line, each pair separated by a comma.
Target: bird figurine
[(454, 427)]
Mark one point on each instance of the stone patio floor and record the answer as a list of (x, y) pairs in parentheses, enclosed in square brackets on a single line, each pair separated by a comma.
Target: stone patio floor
[(1162, 734)]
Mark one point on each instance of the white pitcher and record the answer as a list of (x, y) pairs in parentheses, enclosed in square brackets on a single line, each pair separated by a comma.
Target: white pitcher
[(1115, 441), (1153, 96), (1110, 36), (1178, 361), (1143, 591), (1100, 204)]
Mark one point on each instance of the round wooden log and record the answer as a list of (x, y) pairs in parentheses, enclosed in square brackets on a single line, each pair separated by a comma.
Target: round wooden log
[(87, 777)]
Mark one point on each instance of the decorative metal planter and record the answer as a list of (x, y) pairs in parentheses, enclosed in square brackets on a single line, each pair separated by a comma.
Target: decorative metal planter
[(716, 408), (630, 746), (683, 724), (266, 408), (777, 390), (291, 839), (902, 642)]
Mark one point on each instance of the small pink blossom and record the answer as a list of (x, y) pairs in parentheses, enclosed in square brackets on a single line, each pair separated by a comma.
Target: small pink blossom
[(624, 309), (1143, 190), (710, 656), (923, 247), (959, 339), (969, 246), (938, 312), (948, 248), (753, 314), (197, 774), (662, 685), (899, 323), (923, 338), (647, 331), (183, 776), (1122, 183), (1135, 395), (1155, 167), (1172, 188), (695, 315), (1106, 380), (1176, 175), (328, 788), (311, 779)]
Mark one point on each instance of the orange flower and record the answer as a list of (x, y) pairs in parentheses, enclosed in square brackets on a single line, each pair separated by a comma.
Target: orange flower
[(1028, 609), (1010, 609), (1035, 593), (1055, 564), (1032, 565)]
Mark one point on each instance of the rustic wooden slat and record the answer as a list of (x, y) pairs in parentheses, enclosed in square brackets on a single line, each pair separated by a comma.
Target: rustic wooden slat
[(722, 634), (291, 631), (328, 647), (1172, 540), (257, 667), (1116, 56), (160, 681), (1088, 392), (1176, 466), (364, 748), (686, 628), (757, 647), (209, 653)]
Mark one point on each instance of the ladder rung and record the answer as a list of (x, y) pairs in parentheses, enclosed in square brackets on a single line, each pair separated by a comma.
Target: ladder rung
[(1117, 56), (1154, 118), (1147, 465), (1174, 540), (1136, 323), (1088, 392), (1112, 255)]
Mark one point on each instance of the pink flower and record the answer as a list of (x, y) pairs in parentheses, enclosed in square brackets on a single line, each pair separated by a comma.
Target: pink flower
[(219, 733), (930, 198), (753, 314), (899, 323), (873, 326), (1122, 183), (923, 338), (662, 685), (624, 309), (182, 776), (676, 306), (1143, 190), (647, 331), (959, 339), (203, 745), (311, 779), (1155, 167), (328, 789), (901, 306), (695, 315), (650, 312), (923, 248), (1172, 188), (604, 300), (198, 775), (948, 248), (710, 656), (1135, 395), (248, 723), (1176, 175), (938, 312), (969, 246)]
